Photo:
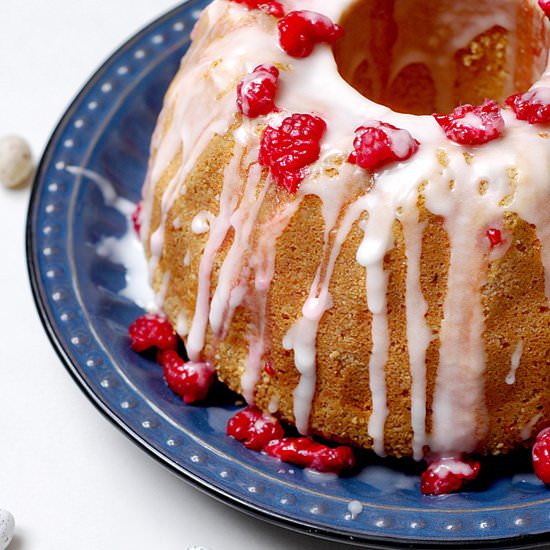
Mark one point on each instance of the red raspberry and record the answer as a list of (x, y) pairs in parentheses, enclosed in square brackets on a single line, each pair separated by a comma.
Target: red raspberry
[(287, 150), (532, 106), (152, 331), (136, 217), (545, 5), (494, 236), (541, 455), (447, 474), (254, 428), (256, 91), (300, 31), (310, 454), (190, 380), (270, 7), (269, 368), (469, 125), (378, 143)]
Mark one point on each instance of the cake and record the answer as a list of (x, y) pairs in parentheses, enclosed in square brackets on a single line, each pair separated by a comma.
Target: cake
[(345, 260)]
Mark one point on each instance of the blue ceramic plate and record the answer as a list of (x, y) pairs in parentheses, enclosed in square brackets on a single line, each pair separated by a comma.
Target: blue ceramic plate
[(107, 130)]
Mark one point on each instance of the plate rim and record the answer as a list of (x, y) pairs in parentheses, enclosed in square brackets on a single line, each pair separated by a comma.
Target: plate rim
[(71, 364)]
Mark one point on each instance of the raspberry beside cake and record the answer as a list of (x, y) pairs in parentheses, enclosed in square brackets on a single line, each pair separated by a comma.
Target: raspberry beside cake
[(378, 278)]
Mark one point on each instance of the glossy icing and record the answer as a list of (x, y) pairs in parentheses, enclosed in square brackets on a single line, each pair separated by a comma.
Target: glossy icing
[(513, 170)]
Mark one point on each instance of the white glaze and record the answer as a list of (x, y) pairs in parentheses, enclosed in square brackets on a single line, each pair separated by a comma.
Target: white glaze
[(516, 358), (126, 250), (187, 259), (201, 223), (354, 508), (527, 430), (451, 464), (182, 325), (273, 404), (515, 168), (419, 334)]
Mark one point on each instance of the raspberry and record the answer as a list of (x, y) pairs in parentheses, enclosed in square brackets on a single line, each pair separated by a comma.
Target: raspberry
[(270, 7), (256, 91), (300, 31), (287, 150), (447, 474), (254, 429), (152, 331), (136, 217), (378, 143), (470, 125), (310, 454), (269, 368), (532, 106), (541, 455), (494, 236), (545, 6), (190, 380)]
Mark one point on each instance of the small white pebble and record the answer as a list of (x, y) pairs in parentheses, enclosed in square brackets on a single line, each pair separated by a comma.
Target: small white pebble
[(16, 163), (7, 527)]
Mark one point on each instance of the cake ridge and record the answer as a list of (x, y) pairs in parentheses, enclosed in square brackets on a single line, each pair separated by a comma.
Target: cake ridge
[(442, 178)]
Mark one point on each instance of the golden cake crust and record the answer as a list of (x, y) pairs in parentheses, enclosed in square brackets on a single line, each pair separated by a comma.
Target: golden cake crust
[(514, 304), (515, 394)]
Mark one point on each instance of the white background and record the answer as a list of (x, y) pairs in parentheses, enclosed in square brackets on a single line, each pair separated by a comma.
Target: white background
[(72, 480)]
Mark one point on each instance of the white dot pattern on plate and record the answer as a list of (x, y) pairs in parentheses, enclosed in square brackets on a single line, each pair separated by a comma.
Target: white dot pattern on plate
[(150, 423), (522, 521), (59, 295), (487, 524), (383, 523), (197, 457), (47, 230), (94, 362), (67, 316), (88, 114), (108, 382), (417, 524)]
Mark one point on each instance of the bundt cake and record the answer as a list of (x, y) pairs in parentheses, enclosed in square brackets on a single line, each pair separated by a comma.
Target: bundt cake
[(347, 260)]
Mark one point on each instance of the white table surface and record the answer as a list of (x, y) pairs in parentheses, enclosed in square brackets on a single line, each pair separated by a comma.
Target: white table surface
[(71, 479)]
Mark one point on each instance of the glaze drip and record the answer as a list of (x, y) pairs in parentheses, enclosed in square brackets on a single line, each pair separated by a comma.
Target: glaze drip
[(237, 262)]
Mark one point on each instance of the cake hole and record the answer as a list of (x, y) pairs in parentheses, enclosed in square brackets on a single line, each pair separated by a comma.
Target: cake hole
[(423, 57)]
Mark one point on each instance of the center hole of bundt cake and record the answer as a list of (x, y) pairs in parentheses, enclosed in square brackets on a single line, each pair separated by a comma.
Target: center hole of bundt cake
[(426, 56)]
